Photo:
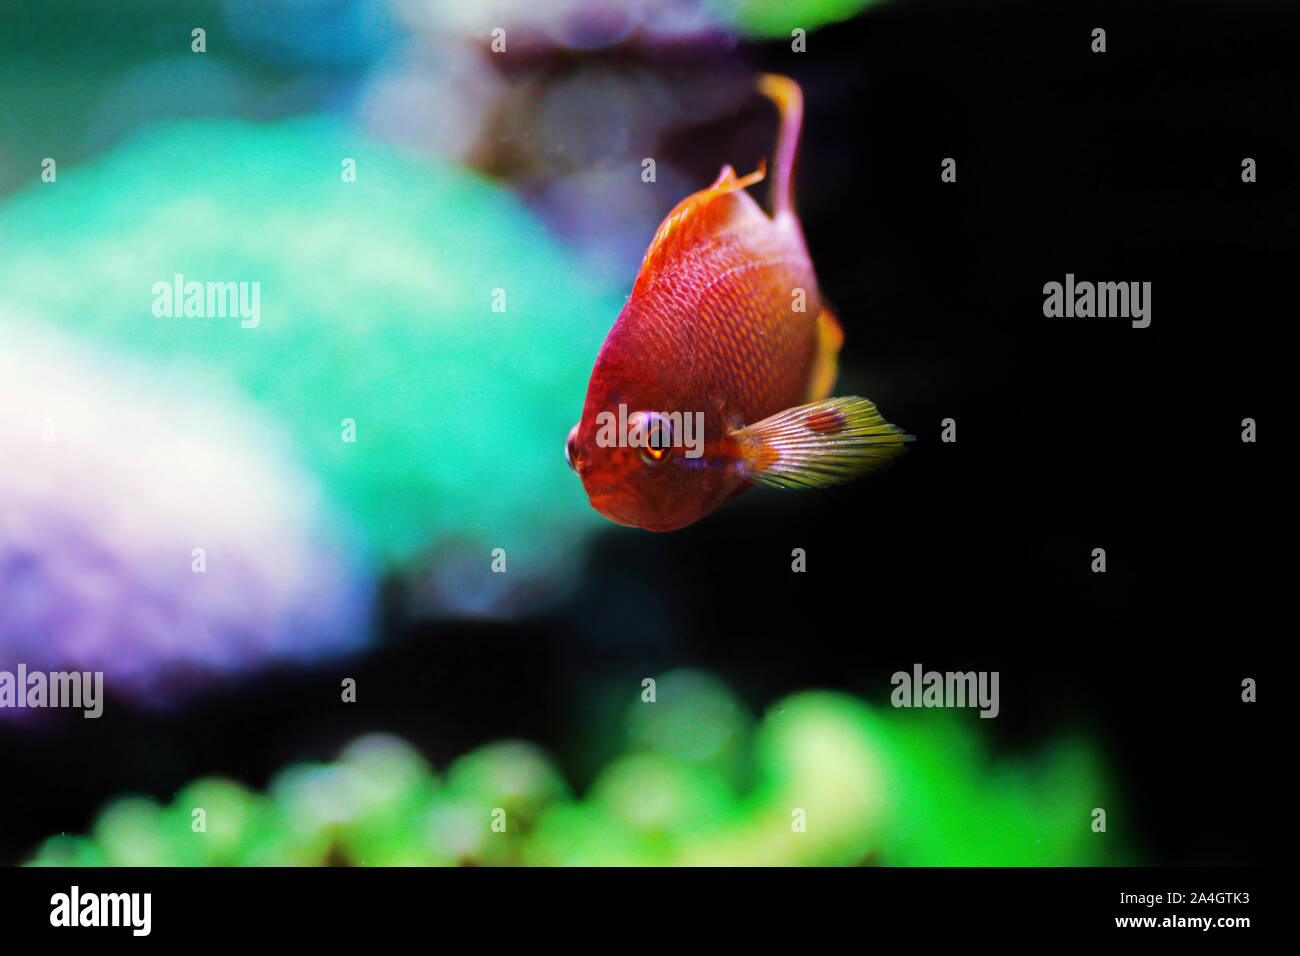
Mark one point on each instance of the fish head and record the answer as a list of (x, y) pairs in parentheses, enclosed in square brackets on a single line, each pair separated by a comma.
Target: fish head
[(645, 464)]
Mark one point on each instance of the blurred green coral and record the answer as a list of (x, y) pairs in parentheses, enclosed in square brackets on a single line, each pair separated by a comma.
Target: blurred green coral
[(836, 782), (765, 19)]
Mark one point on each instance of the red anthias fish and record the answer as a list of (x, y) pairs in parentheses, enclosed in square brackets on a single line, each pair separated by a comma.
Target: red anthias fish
[(716, 374)]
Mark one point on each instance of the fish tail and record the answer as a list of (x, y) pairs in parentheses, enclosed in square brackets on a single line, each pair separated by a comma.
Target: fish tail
[(787, 96), (819, 444)]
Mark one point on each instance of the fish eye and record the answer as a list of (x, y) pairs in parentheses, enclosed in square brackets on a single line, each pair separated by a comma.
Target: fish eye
[(571, 449), (659, 439)]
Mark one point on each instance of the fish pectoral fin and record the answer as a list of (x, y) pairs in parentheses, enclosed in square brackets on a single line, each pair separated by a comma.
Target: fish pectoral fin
[(820, 444)]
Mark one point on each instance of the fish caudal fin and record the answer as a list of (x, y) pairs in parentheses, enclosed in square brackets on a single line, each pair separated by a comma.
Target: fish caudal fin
[(787, 96), (824, 443)]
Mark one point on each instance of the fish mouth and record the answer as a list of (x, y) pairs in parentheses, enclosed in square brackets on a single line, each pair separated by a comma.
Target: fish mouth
[(613, 516), (625, 506), (607, 499)]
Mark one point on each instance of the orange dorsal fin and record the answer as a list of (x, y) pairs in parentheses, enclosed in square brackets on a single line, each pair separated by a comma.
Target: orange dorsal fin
[(693, 218), (708, 211)]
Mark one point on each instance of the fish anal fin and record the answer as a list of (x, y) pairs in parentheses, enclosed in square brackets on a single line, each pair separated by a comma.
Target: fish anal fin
[(825, 367), (819, 444)]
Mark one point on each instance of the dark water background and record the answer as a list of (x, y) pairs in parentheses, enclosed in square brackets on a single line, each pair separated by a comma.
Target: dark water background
[(1073, 434)]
